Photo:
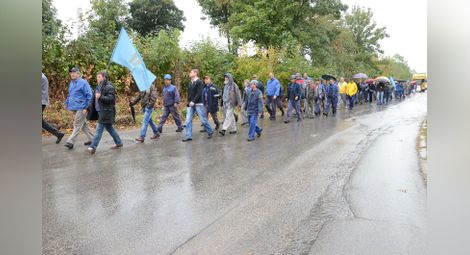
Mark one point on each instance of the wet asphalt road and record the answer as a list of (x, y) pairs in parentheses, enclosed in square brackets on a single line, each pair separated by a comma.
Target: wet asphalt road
[(219, 196)]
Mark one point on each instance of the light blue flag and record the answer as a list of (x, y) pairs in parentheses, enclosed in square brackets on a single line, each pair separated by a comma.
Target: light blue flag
[(393, 82), (126, 54)]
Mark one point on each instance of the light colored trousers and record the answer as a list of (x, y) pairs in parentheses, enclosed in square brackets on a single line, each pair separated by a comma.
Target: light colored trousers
[(79, 124), (229, 119)]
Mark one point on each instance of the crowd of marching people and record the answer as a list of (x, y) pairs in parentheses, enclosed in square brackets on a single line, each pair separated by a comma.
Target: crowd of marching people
[(306, 96)]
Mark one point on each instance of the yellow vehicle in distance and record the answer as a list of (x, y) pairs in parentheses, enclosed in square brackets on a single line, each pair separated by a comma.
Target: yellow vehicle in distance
[(421, 80)]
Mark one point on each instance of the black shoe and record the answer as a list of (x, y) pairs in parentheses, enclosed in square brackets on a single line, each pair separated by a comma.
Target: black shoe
[(232, 132), (217, 127), (236, 117), (286, 121), (179, 129), (59, 138), (272, 118), (209, 136), (326, 114), (250, 140), (244, 123), (259, 134), (202, 131), (187, 139), (261, 117), (222, 132), (282, 113), (69, 145), (87, 143)]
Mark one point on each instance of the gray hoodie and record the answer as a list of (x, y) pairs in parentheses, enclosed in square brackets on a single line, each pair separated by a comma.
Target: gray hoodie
[(231, 93)]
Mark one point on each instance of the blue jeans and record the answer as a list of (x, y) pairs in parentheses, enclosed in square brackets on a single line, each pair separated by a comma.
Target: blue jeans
[(293, 105), (253, 120), (201, 112), (380, 97), (99, 132), (148, 121)]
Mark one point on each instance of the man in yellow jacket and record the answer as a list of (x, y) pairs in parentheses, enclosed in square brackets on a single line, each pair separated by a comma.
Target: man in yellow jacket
[(351, 90), (342, 91)]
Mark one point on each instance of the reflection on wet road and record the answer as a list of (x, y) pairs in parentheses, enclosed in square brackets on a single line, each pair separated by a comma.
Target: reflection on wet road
[(219, 196)]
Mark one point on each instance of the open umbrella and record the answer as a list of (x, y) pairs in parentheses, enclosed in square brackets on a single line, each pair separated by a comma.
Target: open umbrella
[(382, 79), (328, 77), (370, 81), (360, 76)]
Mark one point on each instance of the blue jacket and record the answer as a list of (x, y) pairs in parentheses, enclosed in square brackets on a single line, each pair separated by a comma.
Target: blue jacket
[(171, 95), (332, 90), (80, 95), (254, 102), (272, 87), (293, 90)]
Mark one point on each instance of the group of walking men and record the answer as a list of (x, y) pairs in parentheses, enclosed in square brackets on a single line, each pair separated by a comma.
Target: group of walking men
[(203, 99)]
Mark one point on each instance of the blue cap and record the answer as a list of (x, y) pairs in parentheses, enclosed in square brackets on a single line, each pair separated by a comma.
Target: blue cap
[(167, 77)]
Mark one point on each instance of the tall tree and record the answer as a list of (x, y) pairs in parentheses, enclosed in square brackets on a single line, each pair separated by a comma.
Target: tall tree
[(151, 16), (50, 23), (219, 12), (365, 30), (107, 16)]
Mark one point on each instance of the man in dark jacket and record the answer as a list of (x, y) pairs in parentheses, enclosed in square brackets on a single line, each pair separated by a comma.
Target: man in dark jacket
[(280, 99), (147, 100), (253, 106), (45, 101), (104, 101), (260, 87), (171, 99), (195, 104), (294, 93), (380, 93), (211, 100), (332, 93)]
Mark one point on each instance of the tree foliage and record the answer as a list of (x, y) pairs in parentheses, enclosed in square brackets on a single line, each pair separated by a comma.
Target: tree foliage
[(365, 30), (151, 16)]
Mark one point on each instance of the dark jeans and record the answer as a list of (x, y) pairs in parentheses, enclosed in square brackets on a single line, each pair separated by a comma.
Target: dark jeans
[(271, 105), (48, 127), (99, 132), (214, 118), (333, 102), (350, 100), (166, 113)]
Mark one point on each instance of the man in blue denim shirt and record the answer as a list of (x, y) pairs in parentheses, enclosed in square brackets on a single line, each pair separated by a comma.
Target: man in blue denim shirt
[(77, 102)]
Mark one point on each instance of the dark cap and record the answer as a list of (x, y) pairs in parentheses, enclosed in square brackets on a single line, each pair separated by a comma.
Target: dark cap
[(75, 69)]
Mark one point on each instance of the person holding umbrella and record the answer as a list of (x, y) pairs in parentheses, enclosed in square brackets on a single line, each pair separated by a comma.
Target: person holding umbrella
[(147, 100), (332, 93)]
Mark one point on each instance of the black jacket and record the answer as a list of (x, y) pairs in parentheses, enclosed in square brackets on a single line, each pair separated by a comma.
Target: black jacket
[(211, 98), (195, 92), (107, 102)]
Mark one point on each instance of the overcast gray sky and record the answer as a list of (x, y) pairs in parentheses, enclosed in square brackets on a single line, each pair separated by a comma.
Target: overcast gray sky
[(406, 22)]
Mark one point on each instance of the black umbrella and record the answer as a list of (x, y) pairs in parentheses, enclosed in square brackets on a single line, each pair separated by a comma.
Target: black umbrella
[(328, 77)]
